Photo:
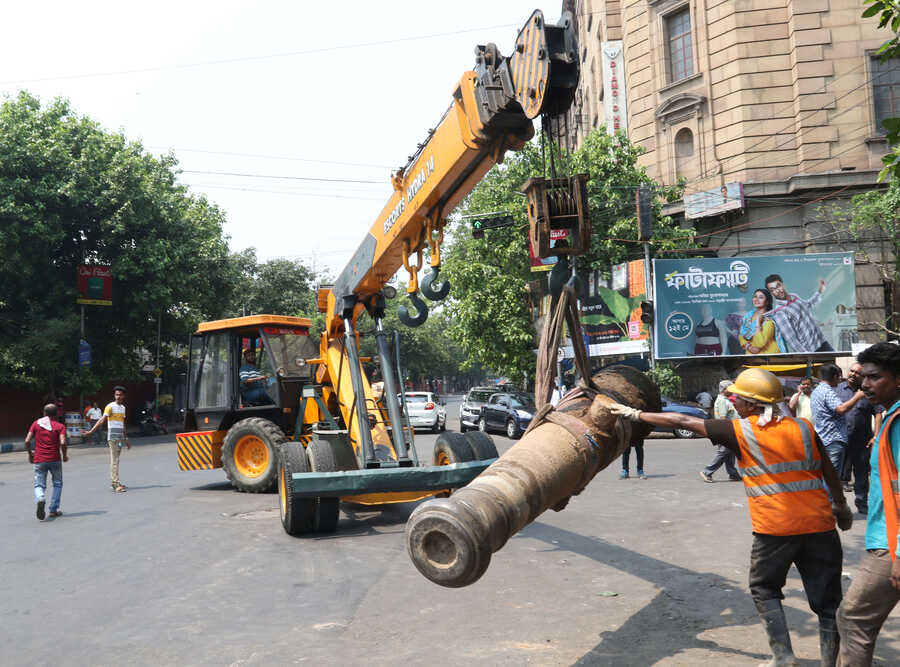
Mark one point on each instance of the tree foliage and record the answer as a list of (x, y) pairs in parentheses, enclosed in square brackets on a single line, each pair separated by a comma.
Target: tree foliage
[(278, 286), (72, 193), (490, 313)]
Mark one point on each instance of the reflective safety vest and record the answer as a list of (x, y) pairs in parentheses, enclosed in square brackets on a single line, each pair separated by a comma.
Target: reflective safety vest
[(890, 493), (782, 471)]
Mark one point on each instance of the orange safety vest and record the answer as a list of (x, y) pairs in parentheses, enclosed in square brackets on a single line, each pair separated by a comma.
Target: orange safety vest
[(890, 494), (782, 471)]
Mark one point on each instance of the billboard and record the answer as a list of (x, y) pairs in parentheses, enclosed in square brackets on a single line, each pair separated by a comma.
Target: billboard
[(546, 263), (611, 311), (735, 306), (729, 197), (94, 285)]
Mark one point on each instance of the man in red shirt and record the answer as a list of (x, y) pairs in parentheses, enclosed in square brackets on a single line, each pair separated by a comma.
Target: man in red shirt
[(49, 447)]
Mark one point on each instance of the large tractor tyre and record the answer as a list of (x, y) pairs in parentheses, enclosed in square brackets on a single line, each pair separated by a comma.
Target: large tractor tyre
[(327, 510), (482, 445), (452, 448), (250, 454), (296, 512)]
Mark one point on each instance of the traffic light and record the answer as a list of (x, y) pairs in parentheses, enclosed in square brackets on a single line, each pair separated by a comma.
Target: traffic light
[(490, 221), (477, 229), (647, 312)]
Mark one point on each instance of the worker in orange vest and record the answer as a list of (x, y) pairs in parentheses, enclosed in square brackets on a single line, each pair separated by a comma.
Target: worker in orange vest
[(785, 471), (875, 589)]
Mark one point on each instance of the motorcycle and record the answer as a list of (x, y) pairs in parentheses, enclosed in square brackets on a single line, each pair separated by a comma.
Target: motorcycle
[(151, 424)]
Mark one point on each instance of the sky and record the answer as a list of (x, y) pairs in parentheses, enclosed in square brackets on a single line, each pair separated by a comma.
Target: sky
[(269, 107)]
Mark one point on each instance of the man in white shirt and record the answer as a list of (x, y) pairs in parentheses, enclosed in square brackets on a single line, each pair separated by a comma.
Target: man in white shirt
[(117, 435)]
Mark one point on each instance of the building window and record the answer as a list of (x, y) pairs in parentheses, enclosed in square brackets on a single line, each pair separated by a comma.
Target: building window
[(684, 143), (886, 90), (678, 37)]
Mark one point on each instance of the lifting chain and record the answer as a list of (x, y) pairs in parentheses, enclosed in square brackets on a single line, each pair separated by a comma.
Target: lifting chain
[(412, 269)]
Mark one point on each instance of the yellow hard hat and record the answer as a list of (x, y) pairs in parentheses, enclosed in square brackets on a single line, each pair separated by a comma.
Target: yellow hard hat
[(758, 384)]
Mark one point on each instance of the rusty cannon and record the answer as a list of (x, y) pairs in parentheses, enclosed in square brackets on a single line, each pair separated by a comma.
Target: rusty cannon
[(450, 540)]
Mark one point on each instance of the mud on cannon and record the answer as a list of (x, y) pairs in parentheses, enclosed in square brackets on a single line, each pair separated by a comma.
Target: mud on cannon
[(450, 540)]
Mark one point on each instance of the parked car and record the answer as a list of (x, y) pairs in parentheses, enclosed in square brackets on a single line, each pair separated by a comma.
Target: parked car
[(470, 410), (426, 410), (668, 405), (510, 412)]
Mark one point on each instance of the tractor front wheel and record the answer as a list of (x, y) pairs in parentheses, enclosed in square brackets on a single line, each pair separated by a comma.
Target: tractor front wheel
[(296, 512), (250, 454)]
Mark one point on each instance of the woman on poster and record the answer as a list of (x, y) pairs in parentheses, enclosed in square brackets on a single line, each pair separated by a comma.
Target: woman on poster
[(758, 334)]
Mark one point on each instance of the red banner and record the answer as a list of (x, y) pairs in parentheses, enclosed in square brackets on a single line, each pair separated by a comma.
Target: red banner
[(94, 285)]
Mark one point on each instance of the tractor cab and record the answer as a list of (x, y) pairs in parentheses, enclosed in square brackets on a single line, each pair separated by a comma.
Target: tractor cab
[(248, 367), (245, 386)]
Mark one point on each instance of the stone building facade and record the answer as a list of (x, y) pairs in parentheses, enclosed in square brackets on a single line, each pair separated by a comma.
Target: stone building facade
[(783, 97)]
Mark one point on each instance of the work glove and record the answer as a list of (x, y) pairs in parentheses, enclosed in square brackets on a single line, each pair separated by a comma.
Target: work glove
[(625, 411), (843, 515)]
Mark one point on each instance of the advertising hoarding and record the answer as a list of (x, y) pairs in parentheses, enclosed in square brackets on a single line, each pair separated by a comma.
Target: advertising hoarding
[(94, 285), (736, 306), (611, 311), (614, 98)]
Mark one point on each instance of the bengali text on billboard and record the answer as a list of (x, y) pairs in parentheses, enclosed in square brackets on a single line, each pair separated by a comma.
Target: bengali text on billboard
[(736, 306)]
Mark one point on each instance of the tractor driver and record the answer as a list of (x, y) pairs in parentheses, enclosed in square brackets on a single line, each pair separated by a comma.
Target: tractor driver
[(253, 382)]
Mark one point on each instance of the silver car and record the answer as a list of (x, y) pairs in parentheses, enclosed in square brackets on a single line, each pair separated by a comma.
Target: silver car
[(426, 410)]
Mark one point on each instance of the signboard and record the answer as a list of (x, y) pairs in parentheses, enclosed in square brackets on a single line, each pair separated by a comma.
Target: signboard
[(736, 306), (94, 285), (611, 311), (546, 263), (614, 87), (729, 197), (84, 354)]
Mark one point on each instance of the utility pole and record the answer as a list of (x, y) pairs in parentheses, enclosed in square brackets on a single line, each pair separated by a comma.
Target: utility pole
[(644, 202), (156, 378)]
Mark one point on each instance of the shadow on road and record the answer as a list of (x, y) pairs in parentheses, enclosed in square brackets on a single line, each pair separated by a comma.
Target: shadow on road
[(363, 519), (73, 515), (213, 486), (688, 604), (149, 486)]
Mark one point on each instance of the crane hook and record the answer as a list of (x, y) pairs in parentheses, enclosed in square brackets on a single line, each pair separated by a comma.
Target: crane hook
[(421, 309), (438, 293)]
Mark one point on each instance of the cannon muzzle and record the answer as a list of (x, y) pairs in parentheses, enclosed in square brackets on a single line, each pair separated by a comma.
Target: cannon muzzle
[(451, 540)]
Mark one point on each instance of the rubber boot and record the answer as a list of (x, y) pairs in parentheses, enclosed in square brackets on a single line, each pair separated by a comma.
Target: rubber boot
[(829, 641), (772, 616)]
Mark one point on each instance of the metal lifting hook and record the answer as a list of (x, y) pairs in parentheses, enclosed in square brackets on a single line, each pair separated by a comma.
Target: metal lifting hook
[(421, 309), (437, 293)]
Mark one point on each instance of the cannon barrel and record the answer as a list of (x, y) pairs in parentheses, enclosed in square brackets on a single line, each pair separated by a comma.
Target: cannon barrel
[(450, 540)]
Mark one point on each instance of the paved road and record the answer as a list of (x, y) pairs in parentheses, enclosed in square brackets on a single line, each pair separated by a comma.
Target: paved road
[(181, 570)]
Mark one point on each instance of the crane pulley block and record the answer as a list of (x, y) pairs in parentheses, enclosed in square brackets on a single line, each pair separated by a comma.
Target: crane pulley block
[(554, 205)]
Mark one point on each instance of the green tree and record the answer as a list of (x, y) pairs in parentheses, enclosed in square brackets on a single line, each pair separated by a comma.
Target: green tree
[(277, 287), (72, 193), (490, 313)]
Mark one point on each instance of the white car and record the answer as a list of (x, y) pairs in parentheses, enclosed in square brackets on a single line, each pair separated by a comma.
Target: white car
[(426, 410)]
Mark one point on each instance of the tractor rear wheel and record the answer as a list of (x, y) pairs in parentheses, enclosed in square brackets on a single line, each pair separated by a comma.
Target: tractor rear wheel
[(250, 454), (296, 512), (327, 510), (482, 445)]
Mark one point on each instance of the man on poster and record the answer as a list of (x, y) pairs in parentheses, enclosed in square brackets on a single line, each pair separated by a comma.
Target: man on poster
[(794, 319)]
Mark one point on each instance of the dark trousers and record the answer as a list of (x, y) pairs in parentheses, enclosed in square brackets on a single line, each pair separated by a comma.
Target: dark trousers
[(818, 557), (856, 462), (638, 454), (726, 456)]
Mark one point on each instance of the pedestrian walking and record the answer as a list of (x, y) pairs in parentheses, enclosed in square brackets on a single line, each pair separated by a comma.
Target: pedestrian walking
[(48, 455), (723, 408), (859, 437), (799, 403), (829, 413), (875, 590), (785, 469), (114, 416)]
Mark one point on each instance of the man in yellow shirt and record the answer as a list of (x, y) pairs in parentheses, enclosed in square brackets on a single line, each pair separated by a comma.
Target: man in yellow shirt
[(114, 415)]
